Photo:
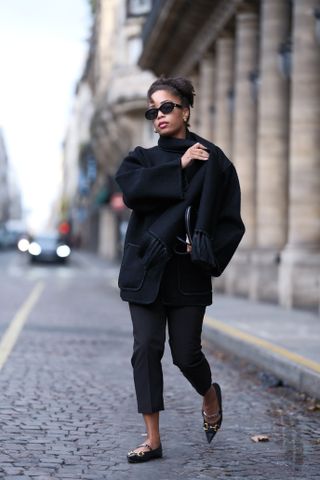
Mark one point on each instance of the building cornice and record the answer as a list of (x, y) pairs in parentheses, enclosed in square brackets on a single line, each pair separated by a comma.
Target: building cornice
[(176, 35)]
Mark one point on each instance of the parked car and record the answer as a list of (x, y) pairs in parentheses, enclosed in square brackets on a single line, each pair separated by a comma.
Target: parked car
[(8, 239), (10, 233), (48, 248)]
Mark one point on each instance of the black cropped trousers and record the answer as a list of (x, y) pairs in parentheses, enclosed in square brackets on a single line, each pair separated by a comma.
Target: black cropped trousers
[(149, 331)]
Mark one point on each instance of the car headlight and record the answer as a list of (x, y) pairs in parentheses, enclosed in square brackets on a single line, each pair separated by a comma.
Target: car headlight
[(34, 248), (63, 251), (23, 244)]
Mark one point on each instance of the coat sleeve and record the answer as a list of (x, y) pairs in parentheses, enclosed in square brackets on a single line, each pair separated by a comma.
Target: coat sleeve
[(146, 187), (213, 250), (230, 228)]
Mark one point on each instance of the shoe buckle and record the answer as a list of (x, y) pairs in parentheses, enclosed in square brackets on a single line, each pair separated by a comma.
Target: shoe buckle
[(207, 427), (132, 453)]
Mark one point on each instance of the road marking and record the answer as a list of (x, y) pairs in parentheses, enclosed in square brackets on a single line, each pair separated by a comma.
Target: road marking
[(247, 337), (12, 332)]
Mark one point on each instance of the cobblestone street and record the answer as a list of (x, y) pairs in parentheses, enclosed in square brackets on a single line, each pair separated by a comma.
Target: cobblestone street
[(68, 408)]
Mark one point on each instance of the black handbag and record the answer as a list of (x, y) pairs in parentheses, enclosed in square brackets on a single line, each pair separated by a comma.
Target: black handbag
[(190, 216)]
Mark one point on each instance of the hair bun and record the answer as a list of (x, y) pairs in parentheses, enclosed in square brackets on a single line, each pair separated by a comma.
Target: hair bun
[(185, 87), (180, 86)]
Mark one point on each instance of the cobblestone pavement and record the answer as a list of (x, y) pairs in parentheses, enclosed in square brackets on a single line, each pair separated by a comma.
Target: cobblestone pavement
[(68, 409)]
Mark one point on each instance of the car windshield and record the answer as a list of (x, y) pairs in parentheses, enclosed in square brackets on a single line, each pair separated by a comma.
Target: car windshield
[(47, 242)]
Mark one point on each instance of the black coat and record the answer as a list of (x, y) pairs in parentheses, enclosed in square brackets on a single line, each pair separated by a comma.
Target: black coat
[(158, 191)]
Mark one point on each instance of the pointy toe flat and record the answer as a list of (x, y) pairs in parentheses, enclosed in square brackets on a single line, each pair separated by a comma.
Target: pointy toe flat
[(212, 427), (139, 457)]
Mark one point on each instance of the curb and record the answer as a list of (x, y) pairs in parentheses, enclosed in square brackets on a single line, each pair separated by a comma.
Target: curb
[(294, 370)]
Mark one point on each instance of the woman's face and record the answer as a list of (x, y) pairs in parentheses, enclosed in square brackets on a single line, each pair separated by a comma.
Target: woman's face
[(171, 124)]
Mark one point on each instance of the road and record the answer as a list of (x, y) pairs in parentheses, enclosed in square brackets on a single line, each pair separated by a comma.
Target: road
[(68, 408)]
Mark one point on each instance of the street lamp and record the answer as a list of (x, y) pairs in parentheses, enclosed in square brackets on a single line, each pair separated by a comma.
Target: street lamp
[(316, 14), (285, 58), (231, 99), (254, 79), (212, 111)]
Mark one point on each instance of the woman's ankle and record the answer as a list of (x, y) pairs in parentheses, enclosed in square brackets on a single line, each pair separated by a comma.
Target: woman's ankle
[(154, 441)]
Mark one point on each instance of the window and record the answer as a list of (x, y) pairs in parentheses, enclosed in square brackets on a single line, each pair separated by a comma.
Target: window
[(134, 49), (138, 7)]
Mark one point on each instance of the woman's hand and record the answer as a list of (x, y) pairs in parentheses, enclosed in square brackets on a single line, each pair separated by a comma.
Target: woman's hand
[(196, 152)]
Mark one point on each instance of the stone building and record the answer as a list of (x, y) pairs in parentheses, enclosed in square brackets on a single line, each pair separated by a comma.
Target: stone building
[(79, 166), (4, 183), (256, 70), (117, 87), (119, 101), (11, 214)]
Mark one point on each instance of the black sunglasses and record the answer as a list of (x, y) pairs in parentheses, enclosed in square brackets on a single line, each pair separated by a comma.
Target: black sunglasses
[(166, 107)]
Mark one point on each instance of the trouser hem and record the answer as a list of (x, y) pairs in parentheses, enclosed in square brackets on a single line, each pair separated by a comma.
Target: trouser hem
[(149, 412)]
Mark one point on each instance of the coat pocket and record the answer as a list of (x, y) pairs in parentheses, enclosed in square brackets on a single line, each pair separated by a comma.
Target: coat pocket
[(192, 279), (132, 270)]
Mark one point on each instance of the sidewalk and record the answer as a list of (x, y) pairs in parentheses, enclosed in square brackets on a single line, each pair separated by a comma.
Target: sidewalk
[(283, 342)]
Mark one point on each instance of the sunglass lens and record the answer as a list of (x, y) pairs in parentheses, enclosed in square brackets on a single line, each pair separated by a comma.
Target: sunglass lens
[(151, 114), (167, 107)]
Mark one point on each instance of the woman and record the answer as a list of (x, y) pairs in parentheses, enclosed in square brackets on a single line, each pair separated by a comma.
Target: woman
[(165, 275)]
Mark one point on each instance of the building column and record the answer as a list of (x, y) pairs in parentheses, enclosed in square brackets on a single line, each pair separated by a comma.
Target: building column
[(224, 93), (195, 111), (244, 144), (272, 153), (207, 96), (224, 107), (300, 268)]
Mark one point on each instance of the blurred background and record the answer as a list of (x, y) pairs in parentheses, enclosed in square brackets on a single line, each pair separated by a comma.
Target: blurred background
[(72, 96)]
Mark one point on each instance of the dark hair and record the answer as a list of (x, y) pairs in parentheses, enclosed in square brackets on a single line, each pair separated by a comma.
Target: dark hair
[(180, 86)]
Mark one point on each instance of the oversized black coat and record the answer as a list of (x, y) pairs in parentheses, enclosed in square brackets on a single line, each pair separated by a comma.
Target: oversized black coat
[(158, 190)]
